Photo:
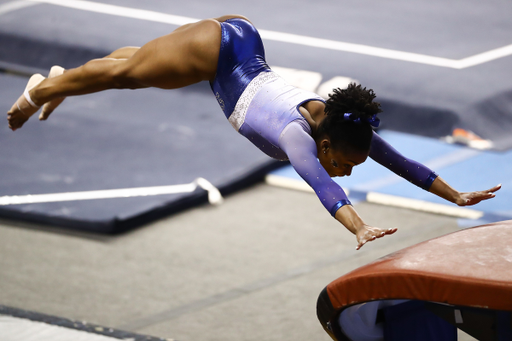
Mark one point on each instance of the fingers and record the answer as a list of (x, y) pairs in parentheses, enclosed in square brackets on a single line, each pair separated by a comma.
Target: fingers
[(373, 234), (483, 196), (361, 243), (494, 189), (391, 230), (472, 198), (489, 193), (475, 199)]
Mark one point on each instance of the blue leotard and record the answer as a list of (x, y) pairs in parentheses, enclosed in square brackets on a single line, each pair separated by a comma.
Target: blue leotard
[(265, 109), (241, 59)]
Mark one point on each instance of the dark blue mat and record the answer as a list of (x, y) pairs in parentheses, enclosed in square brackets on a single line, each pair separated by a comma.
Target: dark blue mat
[(418, 97), (122, 139)]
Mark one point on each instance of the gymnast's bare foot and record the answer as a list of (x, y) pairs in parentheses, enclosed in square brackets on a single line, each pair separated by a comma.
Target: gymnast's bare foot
[(49, 107), (24, 106)]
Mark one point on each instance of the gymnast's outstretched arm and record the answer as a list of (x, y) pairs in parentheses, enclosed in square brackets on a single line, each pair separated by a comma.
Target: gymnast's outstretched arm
[(420, 175), (301, 150)]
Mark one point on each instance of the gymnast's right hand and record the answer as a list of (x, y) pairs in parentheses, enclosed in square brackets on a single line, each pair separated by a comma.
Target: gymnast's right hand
[(368, 233), (365, 233)]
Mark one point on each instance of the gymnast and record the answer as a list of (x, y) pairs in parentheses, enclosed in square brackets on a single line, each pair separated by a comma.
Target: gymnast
[(321, 139)]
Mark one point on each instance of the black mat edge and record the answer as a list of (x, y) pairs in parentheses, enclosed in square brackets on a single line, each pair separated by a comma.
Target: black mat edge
[(77, 325), (20, 70), (118, 226)]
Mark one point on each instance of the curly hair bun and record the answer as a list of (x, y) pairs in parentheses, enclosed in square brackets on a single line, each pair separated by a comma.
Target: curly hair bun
[(355, 100), (354, 134)]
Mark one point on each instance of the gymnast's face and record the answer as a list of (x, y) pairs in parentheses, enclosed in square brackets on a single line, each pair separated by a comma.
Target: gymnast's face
[(339, 163)]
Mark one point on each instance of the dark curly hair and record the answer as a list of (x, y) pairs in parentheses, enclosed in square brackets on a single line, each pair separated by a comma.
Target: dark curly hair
[(346, 134)]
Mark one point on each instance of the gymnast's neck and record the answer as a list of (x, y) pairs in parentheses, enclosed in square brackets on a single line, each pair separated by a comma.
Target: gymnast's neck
[(313, 112)]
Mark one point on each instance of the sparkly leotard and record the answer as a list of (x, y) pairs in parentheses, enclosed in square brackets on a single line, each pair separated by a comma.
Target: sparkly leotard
[(265, 109)]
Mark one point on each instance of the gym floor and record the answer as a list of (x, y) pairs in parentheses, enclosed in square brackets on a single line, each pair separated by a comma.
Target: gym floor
[(250, 269), (253, 267)]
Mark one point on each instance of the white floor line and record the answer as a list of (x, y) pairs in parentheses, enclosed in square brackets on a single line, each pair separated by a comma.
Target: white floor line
[(384, 199), (14, 6), (121, 11), (19, 329), (214, 195), (284, 182), (293, 38), (423, 206)]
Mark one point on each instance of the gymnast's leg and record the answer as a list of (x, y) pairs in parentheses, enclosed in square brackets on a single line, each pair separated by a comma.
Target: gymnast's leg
[(186, 56), (124, 52), (49, 107)]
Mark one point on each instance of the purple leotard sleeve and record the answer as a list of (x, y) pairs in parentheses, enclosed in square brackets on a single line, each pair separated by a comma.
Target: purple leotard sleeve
[(301, 150), (389, 157)]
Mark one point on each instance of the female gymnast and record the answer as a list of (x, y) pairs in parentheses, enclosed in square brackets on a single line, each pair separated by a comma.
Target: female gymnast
[(322, 139)]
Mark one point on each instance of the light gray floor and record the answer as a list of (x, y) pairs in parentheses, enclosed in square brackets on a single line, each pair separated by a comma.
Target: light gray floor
[(250, 269)]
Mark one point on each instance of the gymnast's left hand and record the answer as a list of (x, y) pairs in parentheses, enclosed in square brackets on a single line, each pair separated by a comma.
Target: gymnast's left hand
[(472, 198)]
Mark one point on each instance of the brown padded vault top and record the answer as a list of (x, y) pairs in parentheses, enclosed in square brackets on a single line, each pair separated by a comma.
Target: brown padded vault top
[(471, 267)]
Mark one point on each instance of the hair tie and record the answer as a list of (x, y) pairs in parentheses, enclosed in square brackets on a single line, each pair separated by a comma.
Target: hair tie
[(374, 121)]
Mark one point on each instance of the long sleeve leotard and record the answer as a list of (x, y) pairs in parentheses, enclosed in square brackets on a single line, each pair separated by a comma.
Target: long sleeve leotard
[(301, 149), (261, 106)]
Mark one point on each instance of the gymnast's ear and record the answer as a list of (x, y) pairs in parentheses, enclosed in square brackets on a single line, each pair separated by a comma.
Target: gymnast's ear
[(325, 145)]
